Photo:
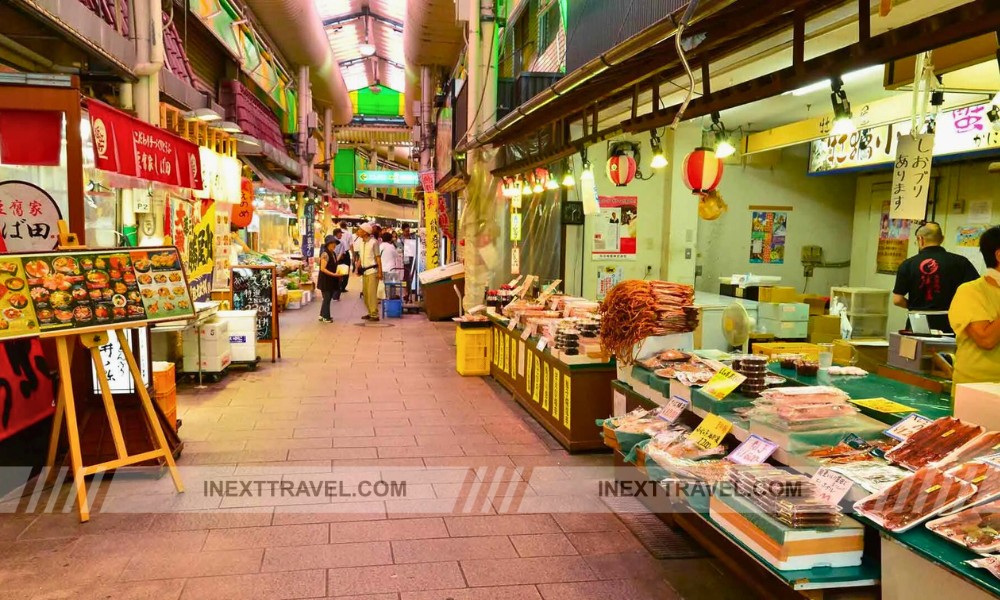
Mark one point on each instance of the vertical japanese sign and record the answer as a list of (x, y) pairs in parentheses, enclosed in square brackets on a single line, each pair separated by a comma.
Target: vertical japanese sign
[(201, 250), (616, 228), (309, 230), (515, 227), (767, 237), (911, 176), (607, 278), (893, 241), (223, 247), (29, 217), (433, 235)]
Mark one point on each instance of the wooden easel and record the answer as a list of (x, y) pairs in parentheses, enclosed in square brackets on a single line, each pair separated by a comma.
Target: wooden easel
[(65, 405)]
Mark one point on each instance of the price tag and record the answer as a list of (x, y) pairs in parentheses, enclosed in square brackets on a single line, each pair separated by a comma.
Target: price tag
[(710, 432), (512, 323), (529, 331), (884, 405), (907, 427), (680, 390), (831, 487), (514, 281), (619, 403), (674, 408), (723, 383), (755, 450), (541, 344), (554, 304)]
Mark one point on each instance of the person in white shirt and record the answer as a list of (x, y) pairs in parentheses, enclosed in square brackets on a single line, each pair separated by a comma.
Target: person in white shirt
[(347, 243), (370, 267), (392, 264)]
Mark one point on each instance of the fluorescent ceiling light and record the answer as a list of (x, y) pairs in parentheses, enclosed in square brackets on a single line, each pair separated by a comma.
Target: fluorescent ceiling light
[(366, 49), (229, 127), (243, 138), (202, 114), (822, 85)]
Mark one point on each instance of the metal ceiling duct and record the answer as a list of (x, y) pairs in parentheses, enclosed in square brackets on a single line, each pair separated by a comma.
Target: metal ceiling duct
[(295, 26), (431, 37)]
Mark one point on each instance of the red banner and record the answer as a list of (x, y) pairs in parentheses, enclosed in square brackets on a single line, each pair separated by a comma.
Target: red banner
[(130, 147), (26, 390), (30, 137)]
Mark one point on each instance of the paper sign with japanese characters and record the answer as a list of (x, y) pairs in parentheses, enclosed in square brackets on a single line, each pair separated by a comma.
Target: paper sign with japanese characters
[(29, 217), (907, 427), (674, 408), (831, 487), (911, 177), (710, 432), (723, 383), (755, 450)]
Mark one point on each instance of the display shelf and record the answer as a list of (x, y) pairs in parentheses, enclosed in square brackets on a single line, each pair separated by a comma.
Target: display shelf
[(929, 404)]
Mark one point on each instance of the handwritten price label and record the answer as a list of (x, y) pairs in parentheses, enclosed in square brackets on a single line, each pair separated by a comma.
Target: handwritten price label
[(710, 432), (674, 408), (903, 429), (541, 344), (723, 383), (512, 323), (831, 487), (755, 450), (884, 405), (528, 331)]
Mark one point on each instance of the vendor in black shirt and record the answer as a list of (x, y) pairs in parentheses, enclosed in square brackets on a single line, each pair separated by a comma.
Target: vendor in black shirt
[(928, 281)]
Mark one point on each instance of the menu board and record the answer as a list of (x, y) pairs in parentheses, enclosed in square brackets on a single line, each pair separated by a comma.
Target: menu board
[(50, 292), (254, 287)]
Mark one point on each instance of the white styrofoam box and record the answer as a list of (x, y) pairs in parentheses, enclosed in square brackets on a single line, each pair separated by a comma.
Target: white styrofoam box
[(977, 403), (654, 345), (293, 305), (783, 311), (209, 364), (307, 296), (240, 321), (214, 347), (243, 346), (443, 272), (785, 330), (210, 330)]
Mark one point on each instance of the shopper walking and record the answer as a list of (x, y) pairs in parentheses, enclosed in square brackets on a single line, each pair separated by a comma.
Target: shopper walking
[(343, 252), (347, 241), (329, 280), (370, 267)]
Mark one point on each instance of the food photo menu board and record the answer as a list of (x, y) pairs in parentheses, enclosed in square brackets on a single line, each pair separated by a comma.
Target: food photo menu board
[(51, 292)]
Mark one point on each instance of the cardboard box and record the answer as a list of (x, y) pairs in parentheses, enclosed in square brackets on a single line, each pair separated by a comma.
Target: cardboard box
[(869, 358), (977, 403), (784, 311), (785, 330), (778, 294), (734, 291), (824, 329), (817, 304), (914, 354)]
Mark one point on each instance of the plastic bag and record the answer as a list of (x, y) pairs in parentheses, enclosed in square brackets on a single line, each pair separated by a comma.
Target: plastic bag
[(380, 291)]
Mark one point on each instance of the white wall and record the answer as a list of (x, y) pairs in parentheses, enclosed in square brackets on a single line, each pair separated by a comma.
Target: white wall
[(821, 213), (956, 186)]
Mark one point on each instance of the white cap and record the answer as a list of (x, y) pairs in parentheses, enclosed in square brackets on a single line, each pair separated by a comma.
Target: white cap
[(367, 228)]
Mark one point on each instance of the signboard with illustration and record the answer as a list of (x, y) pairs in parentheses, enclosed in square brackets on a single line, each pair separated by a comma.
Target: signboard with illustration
[(960, 131), (29, 217), (616, 228), (768, 231), (47, 293), (191, 227)]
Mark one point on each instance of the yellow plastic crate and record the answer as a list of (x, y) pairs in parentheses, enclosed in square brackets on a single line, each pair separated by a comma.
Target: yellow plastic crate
[(808, 351), (472, 351)]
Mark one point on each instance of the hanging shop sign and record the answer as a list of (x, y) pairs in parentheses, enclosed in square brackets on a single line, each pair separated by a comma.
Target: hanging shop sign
[(220, 175), (960, 131), (130, 147), (767, 237), (30, 388), (616, 228), (387, 178), (223, 248), (432, 243), (201, 250), (54, 292), (911, 177), (893, 242), (308, 230), (242, 213), (427, 181), (515, 227), (29, 217)]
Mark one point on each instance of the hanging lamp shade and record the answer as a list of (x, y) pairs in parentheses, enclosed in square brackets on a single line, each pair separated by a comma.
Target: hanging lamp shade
[(702, 170), (621, 169)]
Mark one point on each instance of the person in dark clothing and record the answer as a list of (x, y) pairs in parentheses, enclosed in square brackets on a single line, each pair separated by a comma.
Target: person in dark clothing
[(928, 281), (328, 281)]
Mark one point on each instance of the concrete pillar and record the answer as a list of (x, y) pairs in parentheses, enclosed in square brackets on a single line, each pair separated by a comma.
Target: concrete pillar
[(426, 106), (305, 107), (680, 212)]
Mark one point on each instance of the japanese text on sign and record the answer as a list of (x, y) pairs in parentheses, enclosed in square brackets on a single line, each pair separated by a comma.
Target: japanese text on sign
[(831, 487), (884, 405), (29, 217), (710, 432), (723, 383), (907, 427), (753, 451), (911, 176), (674, 408)]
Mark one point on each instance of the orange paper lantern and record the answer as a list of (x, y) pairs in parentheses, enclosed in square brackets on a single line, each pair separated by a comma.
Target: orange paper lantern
[(243, 212)]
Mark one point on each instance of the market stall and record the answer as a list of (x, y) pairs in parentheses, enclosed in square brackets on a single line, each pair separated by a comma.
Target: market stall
[(853, 440)]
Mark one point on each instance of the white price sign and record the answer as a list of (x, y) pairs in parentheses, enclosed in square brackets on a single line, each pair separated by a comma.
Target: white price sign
[(541, 344), (831, 487), (906, 427), (512, 323), (619, 403), (528, 331), (674, 408), (753, 451)]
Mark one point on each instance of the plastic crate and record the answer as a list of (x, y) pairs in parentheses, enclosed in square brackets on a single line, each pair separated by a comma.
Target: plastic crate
[(772, 349), (166, 400), (472, 352), (164, 378)]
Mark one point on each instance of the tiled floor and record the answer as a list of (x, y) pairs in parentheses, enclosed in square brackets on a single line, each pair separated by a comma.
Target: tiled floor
[(490, 511)]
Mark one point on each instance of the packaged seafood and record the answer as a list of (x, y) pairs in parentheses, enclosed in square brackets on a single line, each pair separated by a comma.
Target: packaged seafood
[(988, 443), (913, 500), (984, 476), (978, 529), (933, 443)]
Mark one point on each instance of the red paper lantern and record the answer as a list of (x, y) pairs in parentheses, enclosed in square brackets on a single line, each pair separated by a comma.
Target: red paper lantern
[(242, 213), (621, 169), (702, 170)]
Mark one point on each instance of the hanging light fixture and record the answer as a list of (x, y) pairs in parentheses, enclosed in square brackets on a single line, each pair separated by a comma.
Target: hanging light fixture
[(723, 139), (702, 171), (567, 179), (525, 187), (842, 123), (537, 188), (588, 193), (659, 160), (552, 184)]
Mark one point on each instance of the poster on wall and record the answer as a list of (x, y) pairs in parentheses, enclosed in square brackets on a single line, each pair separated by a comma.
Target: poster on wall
[(616, 228), (768, 230), (967, 244), (607, 278), (223, 247), (893, 242)]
